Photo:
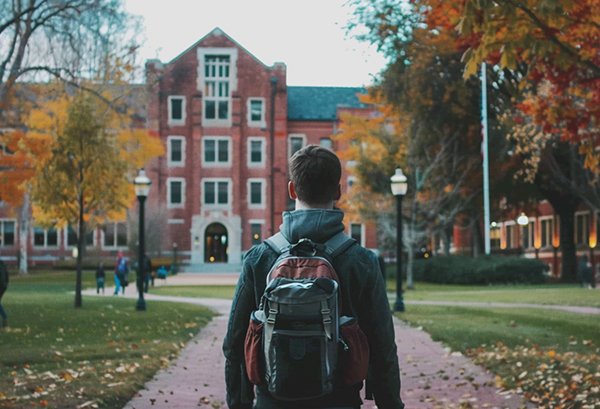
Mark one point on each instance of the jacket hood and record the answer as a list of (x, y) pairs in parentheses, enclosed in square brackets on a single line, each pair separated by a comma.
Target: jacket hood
[(318, 225)]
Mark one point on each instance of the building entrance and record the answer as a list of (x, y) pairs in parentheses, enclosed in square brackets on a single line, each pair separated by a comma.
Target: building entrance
[(215, 243)]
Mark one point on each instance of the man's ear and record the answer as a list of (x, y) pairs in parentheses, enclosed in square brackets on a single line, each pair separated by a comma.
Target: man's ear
[(292, 191), (338, 192)]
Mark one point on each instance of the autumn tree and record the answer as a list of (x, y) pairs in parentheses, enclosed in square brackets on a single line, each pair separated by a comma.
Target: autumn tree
[(68, 40), (84, 175)]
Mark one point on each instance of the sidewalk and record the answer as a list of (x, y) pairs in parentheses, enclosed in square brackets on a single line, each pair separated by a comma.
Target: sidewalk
[(431, 376)]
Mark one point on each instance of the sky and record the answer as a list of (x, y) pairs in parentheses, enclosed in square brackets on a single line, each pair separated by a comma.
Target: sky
[(309, 36)]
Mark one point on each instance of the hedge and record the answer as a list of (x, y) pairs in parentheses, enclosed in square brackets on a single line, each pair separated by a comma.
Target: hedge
[(482, 270)]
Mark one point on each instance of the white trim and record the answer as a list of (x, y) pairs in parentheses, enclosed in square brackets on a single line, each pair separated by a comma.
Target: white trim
[(263, 152), (263, 193), (216, 163), (170, 162), (176, 122), (295, 135), (549, 233), (217, 206), (201, 53), (171, 205), (587, 223), (261, 123), (175, 221), (257, 221)]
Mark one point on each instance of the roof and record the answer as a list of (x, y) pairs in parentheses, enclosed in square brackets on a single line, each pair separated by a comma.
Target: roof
[(321, 103)]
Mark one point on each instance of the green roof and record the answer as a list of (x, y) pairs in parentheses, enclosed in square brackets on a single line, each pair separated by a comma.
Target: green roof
[(321, 103)]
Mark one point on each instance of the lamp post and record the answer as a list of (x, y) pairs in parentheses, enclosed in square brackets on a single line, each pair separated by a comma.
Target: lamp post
[(142, 187), (174, 258), (399, 187)]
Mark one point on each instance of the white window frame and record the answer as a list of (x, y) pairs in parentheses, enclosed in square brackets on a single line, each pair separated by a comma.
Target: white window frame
[(295, 135), (201, 82), (170, 162), (549, 233), (510, 225), (216, 163), (530, 233), (15, 232), (171, 205), (586, 227), (263, 193), (217, 206), (65, 232), (362, 231), (45, 245), (176, 122), (115, 246), (262, 122), (263, 152)]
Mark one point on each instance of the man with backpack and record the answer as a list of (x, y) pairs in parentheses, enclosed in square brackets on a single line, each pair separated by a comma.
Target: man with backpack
[(298, 294)]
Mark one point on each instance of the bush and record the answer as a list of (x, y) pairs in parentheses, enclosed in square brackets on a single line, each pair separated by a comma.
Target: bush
[(480, 270)]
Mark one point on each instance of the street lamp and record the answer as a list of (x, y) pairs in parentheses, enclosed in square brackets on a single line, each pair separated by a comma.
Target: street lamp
[(399, 187), (523, 221), (142, 187)]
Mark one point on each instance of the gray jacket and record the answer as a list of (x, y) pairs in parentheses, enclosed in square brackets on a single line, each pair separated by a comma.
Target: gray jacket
[(363, 296)]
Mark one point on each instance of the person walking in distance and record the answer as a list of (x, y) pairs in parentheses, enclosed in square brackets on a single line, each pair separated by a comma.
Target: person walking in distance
[(315, 174)]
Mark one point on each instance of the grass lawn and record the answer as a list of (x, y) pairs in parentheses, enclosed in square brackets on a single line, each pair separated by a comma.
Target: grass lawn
[(552, 357), (54, 355), (206, 291)]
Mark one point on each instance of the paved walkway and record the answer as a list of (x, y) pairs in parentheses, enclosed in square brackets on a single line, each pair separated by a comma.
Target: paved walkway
[(432, 377)]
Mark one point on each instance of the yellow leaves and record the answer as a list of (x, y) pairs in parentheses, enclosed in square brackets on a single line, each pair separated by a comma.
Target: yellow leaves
[(551, 353)]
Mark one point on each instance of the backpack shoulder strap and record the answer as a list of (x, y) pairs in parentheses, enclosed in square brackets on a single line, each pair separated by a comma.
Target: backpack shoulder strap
[(278, 243), (338, 244)]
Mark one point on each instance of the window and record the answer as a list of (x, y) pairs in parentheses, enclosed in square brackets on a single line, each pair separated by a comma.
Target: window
[(45, 238), (216, 152), (175, 192), (216, 87), (256, 152), (115, 235), (7, 232), (216, 192), (546, 226), (296, 143), (510, 236), (582, 228), (256, 193), (356, 232), (71, 234), (176, 104), (325, 142), (176, 151), (256, 229), (528, 235), (256, 112), (495, 237)]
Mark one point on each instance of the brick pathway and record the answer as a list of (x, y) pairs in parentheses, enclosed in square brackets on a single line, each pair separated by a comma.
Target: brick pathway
[(431, 376)]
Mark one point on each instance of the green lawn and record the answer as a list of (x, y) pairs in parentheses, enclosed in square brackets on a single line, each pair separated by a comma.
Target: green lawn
[(207, 291), (55, 355)]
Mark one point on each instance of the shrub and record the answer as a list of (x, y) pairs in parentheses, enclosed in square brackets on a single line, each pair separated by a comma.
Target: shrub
[(480, 270)]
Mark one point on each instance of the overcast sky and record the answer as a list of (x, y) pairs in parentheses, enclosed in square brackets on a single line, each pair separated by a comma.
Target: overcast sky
[(309, 36)]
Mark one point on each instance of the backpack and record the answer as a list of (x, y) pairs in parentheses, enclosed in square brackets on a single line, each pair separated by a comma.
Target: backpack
[(122, 268), (297, 343)]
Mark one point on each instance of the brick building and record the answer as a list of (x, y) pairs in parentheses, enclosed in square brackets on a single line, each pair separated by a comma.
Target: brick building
[(229, 124)]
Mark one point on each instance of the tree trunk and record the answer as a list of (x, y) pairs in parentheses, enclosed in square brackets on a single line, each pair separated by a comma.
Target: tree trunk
[(80, 242), (568, 248), (476, 239), (23, 236), (410, 284)]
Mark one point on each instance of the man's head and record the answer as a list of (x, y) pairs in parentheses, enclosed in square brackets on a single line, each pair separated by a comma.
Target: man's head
[(315, 174)]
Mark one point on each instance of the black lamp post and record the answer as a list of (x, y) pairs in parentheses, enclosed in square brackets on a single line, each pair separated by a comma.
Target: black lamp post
[(142, 187), (399, 187), (174, 258)]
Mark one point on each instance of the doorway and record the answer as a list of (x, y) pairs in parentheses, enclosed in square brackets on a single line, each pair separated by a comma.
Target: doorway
[(215, 243)]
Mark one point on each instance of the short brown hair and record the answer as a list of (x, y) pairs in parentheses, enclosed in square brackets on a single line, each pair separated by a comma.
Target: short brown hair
[(315, 172)]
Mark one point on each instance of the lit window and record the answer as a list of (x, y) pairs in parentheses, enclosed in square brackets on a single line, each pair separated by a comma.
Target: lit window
[(582, 228), (546, 232), (256, 230)]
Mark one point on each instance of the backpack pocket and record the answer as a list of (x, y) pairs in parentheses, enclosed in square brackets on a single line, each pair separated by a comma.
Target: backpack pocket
[(354, 354), (297, 364), (253, 349)]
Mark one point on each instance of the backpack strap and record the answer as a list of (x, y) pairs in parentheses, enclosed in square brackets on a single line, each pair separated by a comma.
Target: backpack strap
[(278, 243), (338, 244)]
